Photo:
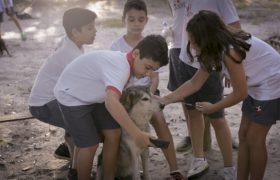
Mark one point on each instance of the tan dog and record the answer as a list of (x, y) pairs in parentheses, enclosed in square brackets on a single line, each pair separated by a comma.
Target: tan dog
[(140, 106)]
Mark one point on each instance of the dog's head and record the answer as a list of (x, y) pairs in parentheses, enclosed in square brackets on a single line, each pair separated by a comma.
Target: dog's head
[(138, 100)]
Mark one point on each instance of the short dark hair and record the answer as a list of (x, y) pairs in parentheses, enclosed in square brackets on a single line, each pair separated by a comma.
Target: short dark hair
[(154, 47), (75, 18), (134, 4)]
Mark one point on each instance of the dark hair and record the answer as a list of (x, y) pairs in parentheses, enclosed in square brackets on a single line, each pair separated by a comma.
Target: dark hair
[(75, 18), (134, 4), (214, 39), (154, 47)]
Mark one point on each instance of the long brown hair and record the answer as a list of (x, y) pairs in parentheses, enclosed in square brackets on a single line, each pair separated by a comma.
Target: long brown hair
[(214, 39)]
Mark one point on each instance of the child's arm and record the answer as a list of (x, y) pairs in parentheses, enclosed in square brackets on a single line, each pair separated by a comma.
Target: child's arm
[(154, 82), (188, 88), (239, 86), (119, 113)]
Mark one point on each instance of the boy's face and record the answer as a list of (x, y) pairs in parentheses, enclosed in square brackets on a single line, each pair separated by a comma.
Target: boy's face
[(86, 34), (143, 67), (135, 21)]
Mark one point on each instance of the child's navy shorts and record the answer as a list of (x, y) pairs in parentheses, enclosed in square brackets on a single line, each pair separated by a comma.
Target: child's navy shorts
[(211, 91), (85, 123), (262, 112)]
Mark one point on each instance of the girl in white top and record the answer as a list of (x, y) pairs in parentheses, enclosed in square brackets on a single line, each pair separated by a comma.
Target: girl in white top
[(254, 69), (212, 91)]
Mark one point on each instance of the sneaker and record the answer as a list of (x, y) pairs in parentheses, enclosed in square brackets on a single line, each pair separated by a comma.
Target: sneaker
[(62, 152), (23, 36), (72, 174), (184, 145), (198, 167), (176, 176), (229, 173)]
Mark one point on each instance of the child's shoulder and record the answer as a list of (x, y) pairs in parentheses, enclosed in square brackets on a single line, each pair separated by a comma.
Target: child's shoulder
[(119, 40)]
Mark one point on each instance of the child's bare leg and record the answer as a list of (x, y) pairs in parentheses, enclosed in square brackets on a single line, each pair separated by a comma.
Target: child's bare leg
[(187, 118), (84, 160), (196, 126), (256, 138), (74, 158), (14, 18), (163, 132), (243, 151), (207, 141), (223, 137), (110, 152)]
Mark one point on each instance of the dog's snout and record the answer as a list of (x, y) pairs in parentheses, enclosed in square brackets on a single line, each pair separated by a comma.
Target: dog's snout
[(162, 106)]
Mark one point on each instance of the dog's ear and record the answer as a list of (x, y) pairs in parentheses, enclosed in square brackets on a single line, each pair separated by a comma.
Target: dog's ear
[(128, 98)]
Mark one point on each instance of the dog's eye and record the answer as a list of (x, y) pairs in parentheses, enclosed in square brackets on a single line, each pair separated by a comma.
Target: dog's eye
[(145, 99)]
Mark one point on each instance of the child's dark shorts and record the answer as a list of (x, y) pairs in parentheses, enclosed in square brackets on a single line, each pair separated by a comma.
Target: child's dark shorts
[(84, 123), (262, 112), (49, 113), (211, 91), (174, 69)]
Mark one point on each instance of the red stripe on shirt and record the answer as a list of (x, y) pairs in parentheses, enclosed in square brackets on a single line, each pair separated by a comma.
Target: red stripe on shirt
[(130, 60), (112, 88)]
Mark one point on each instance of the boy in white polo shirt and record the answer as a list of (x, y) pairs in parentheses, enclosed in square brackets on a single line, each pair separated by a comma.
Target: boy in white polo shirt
[(88, 93)]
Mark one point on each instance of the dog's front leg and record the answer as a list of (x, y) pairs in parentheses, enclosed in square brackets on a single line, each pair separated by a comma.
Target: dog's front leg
[(145, 164), (135, 166)]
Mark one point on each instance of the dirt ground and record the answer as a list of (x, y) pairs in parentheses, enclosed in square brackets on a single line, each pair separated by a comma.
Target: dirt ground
[(26, 147)]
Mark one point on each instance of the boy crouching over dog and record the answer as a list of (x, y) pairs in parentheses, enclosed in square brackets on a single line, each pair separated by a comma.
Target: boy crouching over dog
[(79, 25), (88, 93)]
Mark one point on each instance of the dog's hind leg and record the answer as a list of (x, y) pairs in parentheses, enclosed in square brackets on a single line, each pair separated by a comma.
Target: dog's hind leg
[(145, 164)]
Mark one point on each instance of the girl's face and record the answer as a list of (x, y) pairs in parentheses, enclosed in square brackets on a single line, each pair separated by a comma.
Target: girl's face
[(193, 44), (135, 21)]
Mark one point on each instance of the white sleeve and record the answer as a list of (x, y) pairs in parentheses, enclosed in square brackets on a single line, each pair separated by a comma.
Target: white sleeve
[(228, 11), (117, 76)]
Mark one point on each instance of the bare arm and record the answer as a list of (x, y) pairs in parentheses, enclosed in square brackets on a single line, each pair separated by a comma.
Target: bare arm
[(154, 82), (119, 113), (236, 25), (239, 86), (187, 88)]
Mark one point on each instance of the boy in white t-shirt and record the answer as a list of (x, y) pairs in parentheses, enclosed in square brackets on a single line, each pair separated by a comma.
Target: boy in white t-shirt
[(79, 25), (135, 19), (88, 93)]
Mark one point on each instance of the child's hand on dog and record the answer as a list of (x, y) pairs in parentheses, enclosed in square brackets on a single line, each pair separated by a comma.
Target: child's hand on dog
[(142, 139)]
